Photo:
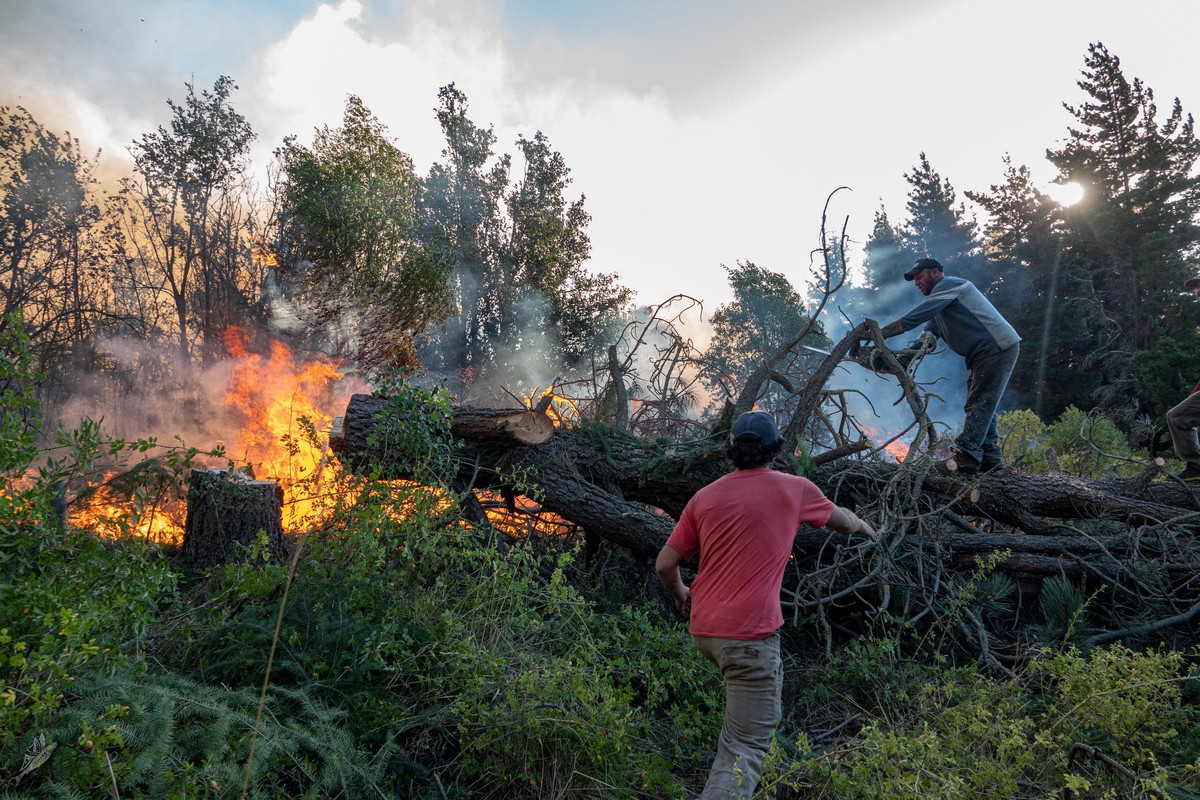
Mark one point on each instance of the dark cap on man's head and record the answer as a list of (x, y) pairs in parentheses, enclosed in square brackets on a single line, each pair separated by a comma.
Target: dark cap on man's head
[(924, 263), (1192, 283), (755, 426)]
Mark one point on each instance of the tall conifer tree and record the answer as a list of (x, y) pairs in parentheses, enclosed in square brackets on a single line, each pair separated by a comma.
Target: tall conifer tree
[(1134, 235)]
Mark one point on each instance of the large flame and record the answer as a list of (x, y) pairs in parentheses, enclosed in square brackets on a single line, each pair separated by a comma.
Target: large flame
[(281, 410), (282, 405), (891, 445)]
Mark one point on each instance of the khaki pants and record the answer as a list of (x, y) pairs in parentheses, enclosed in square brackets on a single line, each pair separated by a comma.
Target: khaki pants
[(753, 673), (1183, 420)]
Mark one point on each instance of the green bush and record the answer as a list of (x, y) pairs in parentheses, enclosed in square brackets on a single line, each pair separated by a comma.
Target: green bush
[(951, 733), (68, 600), (154, 734), (1076, 443)]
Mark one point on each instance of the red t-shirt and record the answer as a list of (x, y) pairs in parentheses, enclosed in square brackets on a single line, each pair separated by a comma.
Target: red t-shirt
[(744, 524)]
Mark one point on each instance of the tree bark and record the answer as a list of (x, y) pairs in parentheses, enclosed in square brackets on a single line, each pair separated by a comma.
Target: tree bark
[(629, 491), (226, 508)]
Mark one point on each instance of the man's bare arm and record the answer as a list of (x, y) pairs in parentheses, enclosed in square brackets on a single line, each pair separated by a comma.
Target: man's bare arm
[(846, 521), (667, 567)]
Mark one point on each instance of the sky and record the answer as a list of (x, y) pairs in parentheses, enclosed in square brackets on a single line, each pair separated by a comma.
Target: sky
[(702, 133)]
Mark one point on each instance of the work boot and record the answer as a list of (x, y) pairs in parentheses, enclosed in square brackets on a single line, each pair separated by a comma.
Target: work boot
[(1190, 472), (964, 465), (992, 462)]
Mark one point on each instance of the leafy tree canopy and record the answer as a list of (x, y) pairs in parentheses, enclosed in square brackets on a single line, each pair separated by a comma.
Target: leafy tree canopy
[(351, 230), (766, 312)]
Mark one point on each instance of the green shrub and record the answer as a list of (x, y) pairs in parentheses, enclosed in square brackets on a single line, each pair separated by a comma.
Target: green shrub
[(68, 600), (146, 733), (1077, 443), (951, 733)]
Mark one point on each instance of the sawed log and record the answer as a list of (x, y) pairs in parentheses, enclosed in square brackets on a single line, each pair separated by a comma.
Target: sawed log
[(228, 508)]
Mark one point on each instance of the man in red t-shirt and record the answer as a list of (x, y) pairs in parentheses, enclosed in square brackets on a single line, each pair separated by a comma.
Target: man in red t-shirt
[(743, 526), (1184, 420)]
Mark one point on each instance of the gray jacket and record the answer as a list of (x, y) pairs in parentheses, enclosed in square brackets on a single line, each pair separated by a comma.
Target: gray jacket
[(958, 314)]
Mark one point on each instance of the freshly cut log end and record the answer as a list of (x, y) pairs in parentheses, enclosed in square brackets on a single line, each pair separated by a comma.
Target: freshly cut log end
[(524, 426), (532, 427), (228, 508)]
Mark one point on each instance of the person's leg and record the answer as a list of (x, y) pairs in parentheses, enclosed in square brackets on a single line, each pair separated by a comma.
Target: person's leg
[(1183, 421), (992, 455), (985, 386), (753, 673)]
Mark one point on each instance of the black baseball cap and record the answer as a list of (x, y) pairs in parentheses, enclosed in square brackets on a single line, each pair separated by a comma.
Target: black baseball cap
[(755, 426), (1192, 283), (924, 263)]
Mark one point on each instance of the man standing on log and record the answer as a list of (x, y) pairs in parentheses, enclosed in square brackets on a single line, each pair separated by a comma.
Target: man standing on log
[(743, 525), (958, 313), (1184, 419)]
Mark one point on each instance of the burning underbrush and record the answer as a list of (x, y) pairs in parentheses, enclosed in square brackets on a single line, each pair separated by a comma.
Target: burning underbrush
[(277, 411), (889, 444)]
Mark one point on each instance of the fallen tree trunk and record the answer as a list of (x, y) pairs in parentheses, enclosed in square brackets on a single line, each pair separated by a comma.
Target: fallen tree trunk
[(610, 486), (628, 492), (1033, 503)]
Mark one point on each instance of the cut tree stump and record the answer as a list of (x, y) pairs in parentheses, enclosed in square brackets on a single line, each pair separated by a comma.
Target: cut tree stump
[(227, 508)]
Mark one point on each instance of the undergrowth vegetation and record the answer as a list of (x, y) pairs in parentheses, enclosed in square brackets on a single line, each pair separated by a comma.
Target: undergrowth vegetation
[(418, 657)]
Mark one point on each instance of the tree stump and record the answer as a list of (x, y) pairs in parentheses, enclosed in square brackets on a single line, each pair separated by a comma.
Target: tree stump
[(227, 508)]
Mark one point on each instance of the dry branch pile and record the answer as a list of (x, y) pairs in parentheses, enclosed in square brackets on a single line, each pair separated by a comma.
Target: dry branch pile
[(1126, 544), (1133, 536)]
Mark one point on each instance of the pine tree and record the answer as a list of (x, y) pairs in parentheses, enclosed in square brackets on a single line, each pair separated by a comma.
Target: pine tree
[(1036, 288), (526, 304), (938, 226), (766, 312), (882, 294), (548, 249), (461, 209), (1134, 233)]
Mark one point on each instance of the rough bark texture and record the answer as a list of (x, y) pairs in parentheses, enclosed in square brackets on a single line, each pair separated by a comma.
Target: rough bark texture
[(226, 509), (602, 483)]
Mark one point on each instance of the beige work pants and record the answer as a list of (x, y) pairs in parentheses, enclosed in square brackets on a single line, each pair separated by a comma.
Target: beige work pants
[(1183, 420), (753, 673)]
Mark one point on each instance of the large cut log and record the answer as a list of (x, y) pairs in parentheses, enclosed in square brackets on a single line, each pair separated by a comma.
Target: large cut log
[(227, 508), (503, 426), (644, 471), (610, 485)]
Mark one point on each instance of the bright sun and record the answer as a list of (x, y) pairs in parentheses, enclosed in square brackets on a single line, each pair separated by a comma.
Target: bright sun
[(1065, 194)]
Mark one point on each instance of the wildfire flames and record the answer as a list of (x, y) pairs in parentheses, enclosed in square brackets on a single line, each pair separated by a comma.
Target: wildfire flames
[(281, 409), (893, 447), (275, 396)]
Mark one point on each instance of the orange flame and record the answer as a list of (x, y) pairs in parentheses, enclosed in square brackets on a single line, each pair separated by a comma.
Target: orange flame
[(260, 254), (270, 394), (109, 514), (273, 396), (895, 448)]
